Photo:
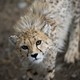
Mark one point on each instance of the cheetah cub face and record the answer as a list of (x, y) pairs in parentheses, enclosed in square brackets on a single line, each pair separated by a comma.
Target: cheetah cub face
[(32, 44)]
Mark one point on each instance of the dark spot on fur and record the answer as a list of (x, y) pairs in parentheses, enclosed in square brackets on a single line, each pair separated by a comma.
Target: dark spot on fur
[(51, 2), (50, 70), (29, 70), (30, 79), (44, 0), (35, 73), (73, 3), (57, 1)]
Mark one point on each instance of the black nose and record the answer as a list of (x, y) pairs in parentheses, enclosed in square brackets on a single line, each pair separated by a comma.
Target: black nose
[(34, 55)]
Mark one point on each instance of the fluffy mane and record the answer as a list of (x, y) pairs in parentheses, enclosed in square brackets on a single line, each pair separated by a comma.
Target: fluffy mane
[(34, 17)]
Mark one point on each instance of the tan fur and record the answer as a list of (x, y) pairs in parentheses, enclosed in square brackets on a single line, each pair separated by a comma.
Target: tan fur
[(30, 37), (73, 52)]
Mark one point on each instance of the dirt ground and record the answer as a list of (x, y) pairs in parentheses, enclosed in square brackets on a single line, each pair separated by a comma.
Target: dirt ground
[(10, 66)]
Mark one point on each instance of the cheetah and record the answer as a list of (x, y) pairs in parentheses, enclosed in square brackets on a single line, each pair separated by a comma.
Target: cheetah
[(41, 33)]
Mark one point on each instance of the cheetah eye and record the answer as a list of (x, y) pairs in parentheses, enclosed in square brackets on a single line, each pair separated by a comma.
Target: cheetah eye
[(38, 42), (24, 47)]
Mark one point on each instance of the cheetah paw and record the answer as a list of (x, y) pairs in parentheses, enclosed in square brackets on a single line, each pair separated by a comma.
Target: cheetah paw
[(70, 57)]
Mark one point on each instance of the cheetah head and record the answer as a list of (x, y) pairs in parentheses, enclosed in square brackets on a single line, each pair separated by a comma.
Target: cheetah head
[(32, 44)]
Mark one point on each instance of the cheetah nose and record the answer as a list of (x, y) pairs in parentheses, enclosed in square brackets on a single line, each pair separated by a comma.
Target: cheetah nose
[(34, 55)]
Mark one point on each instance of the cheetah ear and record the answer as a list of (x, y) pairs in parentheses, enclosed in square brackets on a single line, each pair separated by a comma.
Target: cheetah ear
[(13, 39)]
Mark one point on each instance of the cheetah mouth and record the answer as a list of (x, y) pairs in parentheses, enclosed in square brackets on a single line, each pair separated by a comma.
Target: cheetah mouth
[(37, 60)]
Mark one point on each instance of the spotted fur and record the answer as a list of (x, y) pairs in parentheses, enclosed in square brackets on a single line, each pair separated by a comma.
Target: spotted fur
[(50, 21)]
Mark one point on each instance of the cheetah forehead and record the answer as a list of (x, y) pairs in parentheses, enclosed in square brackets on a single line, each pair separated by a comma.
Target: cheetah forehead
[(31, 36), (34, 34)]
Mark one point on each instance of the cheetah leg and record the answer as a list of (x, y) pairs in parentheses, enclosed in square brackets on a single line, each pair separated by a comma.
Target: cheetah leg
[(73, 49)]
